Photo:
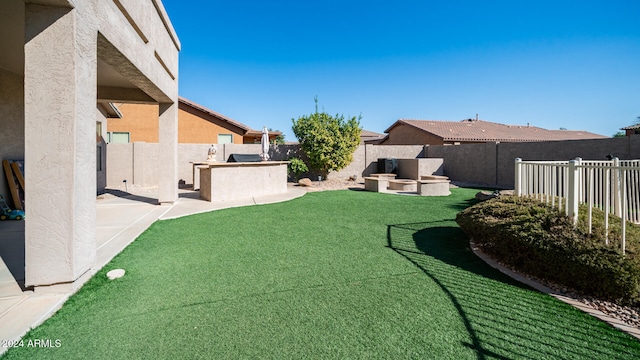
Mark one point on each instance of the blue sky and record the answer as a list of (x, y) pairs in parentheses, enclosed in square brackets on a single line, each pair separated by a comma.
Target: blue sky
[(553, 64)]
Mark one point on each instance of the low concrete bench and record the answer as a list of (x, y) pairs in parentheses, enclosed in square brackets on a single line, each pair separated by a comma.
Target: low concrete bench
[(376, 184), (433, 188), (403, 185), (384, 176), (433, 177)]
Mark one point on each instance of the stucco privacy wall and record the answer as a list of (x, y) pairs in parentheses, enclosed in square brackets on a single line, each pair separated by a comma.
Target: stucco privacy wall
[(493, 163), (136, 162), (11, 121), (66, 50), (474, 163), (414, 168)]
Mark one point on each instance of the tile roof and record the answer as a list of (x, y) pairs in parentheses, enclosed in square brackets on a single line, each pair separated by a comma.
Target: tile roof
[(470, 130), (259, 133), (367, 133), (631, 127), (214, 114), (370, 137)]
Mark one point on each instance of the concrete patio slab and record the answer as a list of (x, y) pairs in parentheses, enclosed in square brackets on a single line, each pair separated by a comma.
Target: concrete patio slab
[(27, 311)]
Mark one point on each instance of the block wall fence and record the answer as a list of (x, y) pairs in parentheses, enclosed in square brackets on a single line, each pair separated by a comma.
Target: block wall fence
[(137, 162), (486, 164), (492, 164)]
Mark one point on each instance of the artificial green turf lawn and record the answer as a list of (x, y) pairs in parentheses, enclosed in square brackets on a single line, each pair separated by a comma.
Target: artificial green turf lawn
[(339, 274)]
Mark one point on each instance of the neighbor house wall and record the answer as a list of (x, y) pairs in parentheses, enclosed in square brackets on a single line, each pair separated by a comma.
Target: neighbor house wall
[(403, 134), (139, 120), (194, 127), (11, 122)]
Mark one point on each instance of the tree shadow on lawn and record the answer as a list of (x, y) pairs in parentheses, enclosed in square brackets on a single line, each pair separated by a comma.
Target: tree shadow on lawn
[(463, 204), (503, 318)]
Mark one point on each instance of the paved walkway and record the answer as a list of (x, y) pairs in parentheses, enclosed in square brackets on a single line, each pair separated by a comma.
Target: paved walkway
[(120, 218)]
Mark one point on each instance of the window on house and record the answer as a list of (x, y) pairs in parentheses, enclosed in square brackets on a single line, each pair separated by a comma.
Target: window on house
[(225, 139), (118, 137)]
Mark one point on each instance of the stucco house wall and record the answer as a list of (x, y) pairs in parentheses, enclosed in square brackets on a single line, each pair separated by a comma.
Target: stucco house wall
[(402, 134), (58, 60)]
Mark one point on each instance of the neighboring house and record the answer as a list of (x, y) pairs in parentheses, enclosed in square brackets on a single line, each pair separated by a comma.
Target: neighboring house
[(196, 125), (370, 137), (631, 130), (366, 137), (434, 132), (62, 63)]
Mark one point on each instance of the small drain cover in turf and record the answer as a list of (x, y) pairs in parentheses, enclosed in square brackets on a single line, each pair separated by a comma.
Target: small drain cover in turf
[(114, 274)]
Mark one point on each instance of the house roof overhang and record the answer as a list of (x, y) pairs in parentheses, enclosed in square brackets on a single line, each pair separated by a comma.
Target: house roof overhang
[(199, 108)]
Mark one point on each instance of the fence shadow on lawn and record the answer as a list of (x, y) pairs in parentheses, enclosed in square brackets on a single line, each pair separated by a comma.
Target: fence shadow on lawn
[(504, 318)]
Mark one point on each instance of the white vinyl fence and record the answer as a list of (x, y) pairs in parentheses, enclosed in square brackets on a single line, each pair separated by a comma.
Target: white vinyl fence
[(612, 186)]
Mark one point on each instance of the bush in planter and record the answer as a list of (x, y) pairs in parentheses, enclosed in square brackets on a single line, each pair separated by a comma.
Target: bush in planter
[(539, 240)]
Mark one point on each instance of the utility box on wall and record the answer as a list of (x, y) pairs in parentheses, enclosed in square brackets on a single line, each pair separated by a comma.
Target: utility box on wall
[(387, 166)]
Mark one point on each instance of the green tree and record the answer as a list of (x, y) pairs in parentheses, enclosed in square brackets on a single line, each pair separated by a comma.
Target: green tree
[(618, 134), (279, 140), (329, 141)]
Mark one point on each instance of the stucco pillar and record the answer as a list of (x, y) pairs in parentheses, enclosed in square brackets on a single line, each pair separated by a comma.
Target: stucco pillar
[(60, 146), (168, 153)]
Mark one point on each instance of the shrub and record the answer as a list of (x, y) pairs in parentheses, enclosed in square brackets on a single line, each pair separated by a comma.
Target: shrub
[(297, 167), (541, 241), (329, 141)]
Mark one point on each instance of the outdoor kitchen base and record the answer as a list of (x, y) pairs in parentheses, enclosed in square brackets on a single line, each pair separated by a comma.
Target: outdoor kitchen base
[(242, 180)]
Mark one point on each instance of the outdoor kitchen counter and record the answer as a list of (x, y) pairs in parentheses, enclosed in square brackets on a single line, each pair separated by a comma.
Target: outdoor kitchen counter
[(240, 180)]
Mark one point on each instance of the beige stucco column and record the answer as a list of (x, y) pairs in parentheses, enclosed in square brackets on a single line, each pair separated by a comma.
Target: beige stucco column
[(168, 153), (60, 144)]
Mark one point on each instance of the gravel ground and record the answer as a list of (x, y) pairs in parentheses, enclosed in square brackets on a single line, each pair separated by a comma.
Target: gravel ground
[(626, 314), (331, 184)]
